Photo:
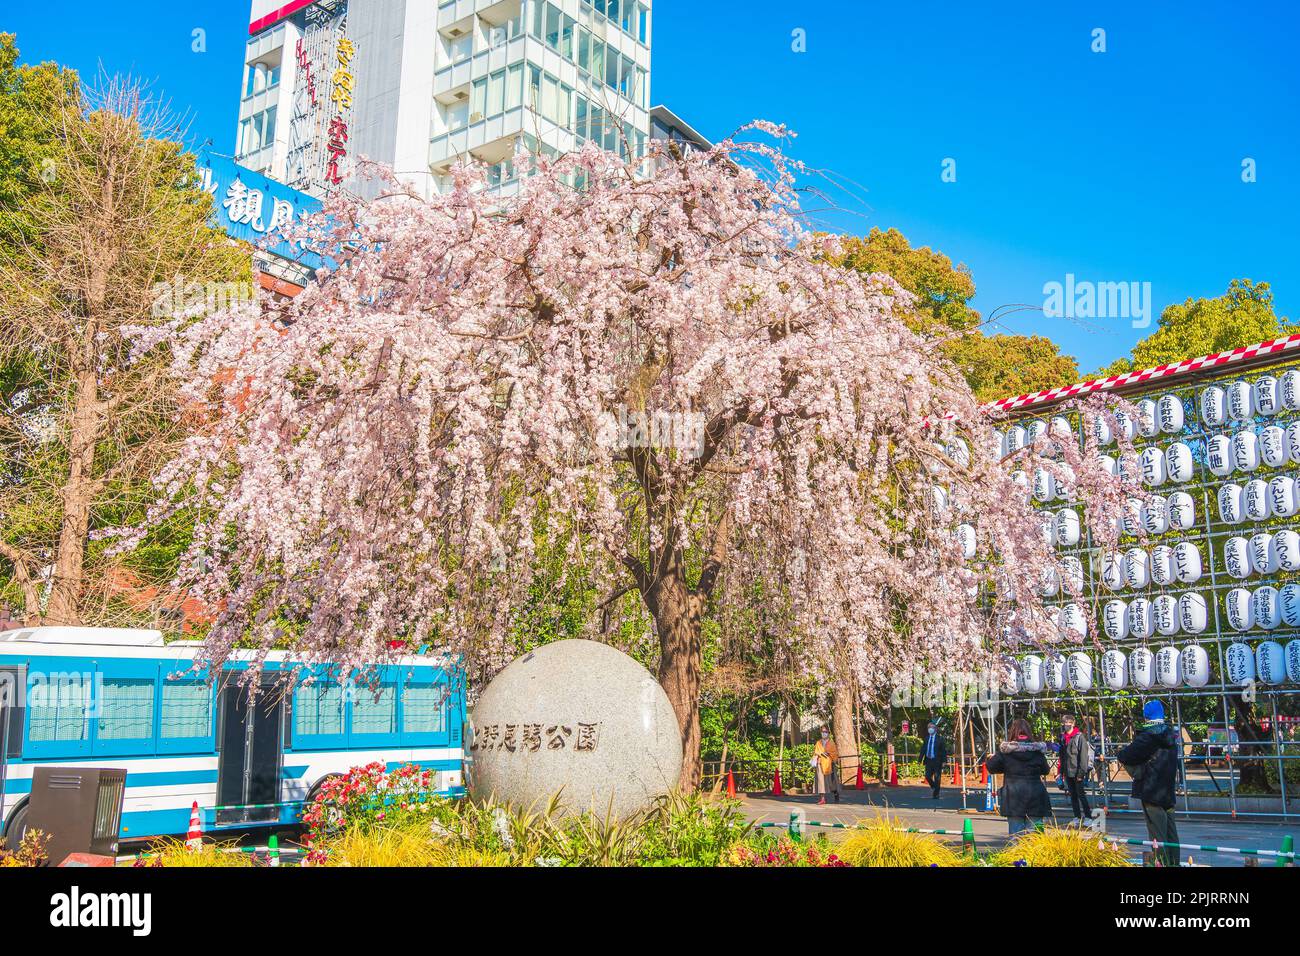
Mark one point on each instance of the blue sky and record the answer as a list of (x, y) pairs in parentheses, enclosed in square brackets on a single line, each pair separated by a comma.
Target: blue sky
[(1122, 166)]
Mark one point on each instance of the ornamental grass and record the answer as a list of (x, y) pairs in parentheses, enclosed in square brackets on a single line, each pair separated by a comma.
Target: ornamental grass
[(1054, 846), (880, 843)]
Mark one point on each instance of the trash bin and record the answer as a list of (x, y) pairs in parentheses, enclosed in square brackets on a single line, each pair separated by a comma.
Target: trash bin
[(79, 808)]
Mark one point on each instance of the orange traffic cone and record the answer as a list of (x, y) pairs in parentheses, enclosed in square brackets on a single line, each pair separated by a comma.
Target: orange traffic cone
[(194, 839), (776, 783), (893, 774), (731, 784), (954, 775), (984, 774), (860, 784)]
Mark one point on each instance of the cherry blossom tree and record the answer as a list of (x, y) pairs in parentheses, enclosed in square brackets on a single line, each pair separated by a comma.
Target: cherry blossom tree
[(653, 365)]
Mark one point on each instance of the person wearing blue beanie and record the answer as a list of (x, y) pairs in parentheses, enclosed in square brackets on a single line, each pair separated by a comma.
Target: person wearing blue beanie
[(1152, 761)]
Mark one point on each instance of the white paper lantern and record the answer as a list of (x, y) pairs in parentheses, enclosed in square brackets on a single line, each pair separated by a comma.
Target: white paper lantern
[(1137, 568), (1245, 451), (1044, 485), (1169, 666), (1114, 669), (966, 538), (1074, 622), (1255, 502), (1286, 544), (1148, 420), (1130, 466), (1282, 499), (1054, 670), (1102, 433), (1140, 625), (1131, 521), (1263, 553), (1162, 565), (1236, 557), (1292, 653), (958, 451), (1020, 478), (1035, 430), (1114, 620), (1268, 396), (1049, 583), (1239, 662), (1072, 574), (1193, 614), (1178, 462), (1273, 450), (1170, 413), (1060, 427), (1164, 614), (938, 501), (1289, 388), (1187, 562), (1266, 607), (1240, 611), (1241, 401), (1289, 600), (1049, 528), (1293, 441), (1182, 511), (1155, 516), (1067, 527), (1230, 504), (1142, 668), (1213, 406), (1108, 464), (1015, 438), (1196, 666), (1125, 427), (1112, 570), (1152, 463), (997, 444), (1011, 683), (1270, 663), (1218, 455), (1078, 671), (1031, 673)]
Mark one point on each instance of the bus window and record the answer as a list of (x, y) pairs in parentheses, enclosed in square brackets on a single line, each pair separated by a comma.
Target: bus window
[(185, 721), (424, 714), (58, 722), (318, 716), (11, 712), (126, 712), (374, 716)]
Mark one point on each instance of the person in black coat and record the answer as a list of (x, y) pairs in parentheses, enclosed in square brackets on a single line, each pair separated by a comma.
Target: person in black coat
[(1152, 761), (1022, 761), (933, 753)]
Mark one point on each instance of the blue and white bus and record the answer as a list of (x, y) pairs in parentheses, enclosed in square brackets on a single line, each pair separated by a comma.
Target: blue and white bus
[(104, 697)]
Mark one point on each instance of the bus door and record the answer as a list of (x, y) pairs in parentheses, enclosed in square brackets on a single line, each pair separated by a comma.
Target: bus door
[(13, 687), (248, 768)]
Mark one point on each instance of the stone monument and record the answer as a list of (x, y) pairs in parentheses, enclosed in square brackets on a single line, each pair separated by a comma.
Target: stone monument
[(578, 716)]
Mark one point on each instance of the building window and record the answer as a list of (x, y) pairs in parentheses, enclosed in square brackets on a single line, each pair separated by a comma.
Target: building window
[(257, 132)]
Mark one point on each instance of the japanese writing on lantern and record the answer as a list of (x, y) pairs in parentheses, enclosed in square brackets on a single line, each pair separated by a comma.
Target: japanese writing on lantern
[(531, 738)]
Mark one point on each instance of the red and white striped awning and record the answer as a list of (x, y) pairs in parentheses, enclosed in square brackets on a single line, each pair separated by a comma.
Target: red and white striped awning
[(1246, 355)]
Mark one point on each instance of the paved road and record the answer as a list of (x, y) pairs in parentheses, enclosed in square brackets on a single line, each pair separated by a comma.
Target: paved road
[(914, 807)]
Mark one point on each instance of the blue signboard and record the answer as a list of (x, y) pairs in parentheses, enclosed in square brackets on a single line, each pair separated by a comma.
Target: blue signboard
[(253, 207)]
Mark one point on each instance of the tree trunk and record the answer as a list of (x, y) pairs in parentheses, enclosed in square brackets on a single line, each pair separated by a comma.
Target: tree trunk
[(1250, 759), (677, 622), (78, 497), (842, 730)]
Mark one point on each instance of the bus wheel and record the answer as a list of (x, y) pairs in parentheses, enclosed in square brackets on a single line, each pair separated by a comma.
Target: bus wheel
[(17, 828)]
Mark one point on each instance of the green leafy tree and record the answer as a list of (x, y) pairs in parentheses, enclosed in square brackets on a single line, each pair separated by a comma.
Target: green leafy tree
[(1241, 316), (996, 366)]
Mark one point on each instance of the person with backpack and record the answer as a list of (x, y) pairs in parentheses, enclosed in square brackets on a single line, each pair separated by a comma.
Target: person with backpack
[(1152, 761), (1076, 763), (1022, 761)]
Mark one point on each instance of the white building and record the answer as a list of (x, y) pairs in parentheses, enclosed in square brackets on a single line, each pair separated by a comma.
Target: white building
[(421, 84)]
